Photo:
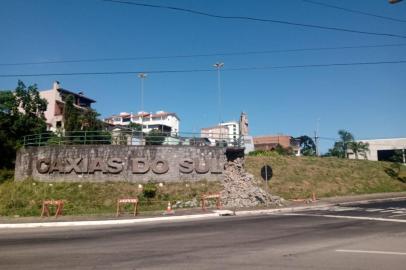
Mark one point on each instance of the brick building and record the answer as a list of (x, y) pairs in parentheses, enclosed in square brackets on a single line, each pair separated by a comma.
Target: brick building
[(269, 142)]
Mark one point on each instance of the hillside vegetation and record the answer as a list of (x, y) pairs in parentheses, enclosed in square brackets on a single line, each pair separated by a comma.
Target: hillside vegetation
[(298, 177), (293, 177), (25, 198)]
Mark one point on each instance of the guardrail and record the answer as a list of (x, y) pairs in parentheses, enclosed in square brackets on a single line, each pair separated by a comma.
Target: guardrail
[(131, 137)]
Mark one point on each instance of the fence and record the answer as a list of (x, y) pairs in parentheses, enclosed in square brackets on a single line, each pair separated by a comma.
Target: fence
[(131, 137)]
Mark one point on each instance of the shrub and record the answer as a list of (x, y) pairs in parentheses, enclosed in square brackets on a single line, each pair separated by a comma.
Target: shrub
[(6, 174), (149, 190)]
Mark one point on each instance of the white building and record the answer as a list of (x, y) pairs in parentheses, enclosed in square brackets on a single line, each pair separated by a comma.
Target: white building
[(382, 149), (56, 103), (228, 131), (163, 121)]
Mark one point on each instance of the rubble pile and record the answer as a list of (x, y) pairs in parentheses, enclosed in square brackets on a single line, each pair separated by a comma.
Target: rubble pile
[(241, 190)]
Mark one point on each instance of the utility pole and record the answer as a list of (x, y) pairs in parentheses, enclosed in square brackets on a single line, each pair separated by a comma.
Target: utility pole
[(142, 76), (316, 137), (218, 66)]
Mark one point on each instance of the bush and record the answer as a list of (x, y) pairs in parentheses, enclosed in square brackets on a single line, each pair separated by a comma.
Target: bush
[(5, 175), (149, 190), (263, 153)]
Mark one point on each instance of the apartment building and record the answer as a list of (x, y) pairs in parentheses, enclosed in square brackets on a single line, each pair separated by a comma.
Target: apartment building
[(56, 101), (161, 120), (228, 131)]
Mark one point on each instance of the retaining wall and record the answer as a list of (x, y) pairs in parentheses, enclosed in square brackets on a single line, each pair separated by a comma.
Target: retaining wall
[(102, 163)]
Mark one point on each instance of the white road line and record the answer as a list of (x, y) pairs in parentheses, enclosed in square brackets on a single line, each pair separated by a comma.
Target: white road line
[(371, 252), (400, 215), (349, 217), (374, 210)]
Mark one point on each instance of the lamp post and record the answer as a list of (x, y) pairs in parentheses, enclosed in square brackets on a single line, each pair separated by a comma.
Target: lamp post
[(142, 76), (218, 66)]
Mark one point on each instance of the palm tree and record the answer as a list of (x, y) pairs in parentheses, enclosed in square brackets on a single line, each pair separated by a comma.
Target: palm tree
[(359, 148), (346, 137)]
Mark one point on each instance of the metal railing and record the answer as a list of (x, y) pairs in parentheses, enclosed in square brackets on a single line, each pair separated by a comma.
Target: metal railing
[(131, 137)]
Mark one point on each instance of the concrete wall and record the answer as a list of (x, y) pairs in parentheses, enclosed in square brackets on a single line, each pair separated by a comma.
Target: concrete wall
[(101, 163), (380, 144)]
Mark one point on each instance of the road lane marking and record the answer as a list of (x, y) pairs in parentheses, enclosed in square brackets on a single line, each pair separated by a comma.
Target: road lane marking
[(374, 210), (371, 252), (400, 215), (349, 217)]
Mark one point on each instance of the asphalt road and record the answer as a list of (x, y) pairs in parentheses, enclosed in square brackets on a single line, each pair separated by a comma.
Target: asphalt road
[(357, 236)]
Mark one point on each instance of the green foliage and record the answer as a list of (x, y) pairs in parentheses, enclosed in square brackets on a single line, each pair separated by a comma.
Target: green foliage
[(307, 145), (278, 150), (80, 124), (6, 175), (359, 148), (25, 198), (397, 156), (134, 126), (298, 177), (340, 147), (155, 137), (149, 191), (21, 113), (71, 115), (263, 153), (284, 151)]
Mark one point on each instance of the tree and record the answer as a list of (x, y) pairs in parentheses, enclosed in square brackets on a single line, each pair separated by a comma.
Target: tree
[(135, 127), (21, 113), (307, 145), (359, 148), (340, 147), (70, 115), (155, 137)]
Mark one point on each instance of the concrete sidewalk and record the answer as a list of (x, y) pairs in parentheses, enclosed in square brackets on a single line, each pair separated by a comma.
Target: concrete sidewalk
[(186, 214)]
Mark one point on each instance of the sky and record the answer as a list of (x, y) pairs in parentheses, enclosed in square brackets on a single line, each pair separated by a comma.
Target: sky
[(367, 100)]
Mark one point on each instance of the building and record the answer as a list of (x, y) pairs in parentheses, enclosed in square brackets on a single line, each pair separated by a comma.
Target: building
[(383, 149), (56, 101), (269, 142), (163, 121), (227, 131)]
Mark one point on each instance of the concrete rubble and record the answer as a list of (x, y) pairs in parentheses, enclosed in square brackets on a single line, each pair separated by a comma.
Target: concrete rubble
[(242, 190)]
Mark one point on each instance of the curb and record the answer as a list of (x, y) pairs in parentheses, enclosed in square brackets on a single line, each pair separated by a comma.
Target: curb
[(102, 222), (185, 217), (156, 219)]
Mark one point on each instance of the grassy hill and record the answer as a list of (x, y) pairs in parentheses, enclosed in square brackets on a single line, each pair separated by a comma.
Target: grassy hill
[(298, 177), (293, 177)]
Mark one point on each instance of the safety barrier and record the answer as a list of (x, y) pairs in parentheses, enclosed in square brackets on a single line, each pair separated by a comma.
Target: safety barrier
[(133, 201), (206, 197), (45, 207)]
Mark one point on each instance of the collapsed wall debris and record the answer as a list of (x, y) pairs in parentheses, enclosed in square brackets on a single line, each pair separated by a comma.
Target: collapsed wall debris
[(241, 189)]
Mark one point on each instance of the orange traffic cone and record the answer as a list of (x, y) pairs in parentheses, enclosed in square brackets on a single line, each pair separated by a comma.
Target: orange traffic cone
[(169, 210)]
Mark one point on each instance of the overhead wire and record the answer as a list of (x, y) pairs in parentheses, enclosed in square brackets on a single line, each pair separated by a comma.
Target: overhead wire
[(246, 18), (205, 70), (240, 53), (353, 11)]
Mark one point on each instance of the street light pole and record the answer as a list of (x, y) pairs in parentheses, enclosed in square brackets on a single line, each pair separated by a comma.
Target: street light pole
[(218, 66), (142, 76)]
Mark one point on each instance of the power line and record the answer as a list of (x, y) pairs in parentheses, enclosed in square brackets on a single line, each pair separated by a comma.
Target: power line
[(353, 11), (315, 26), (204, 70), (241, 53)]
